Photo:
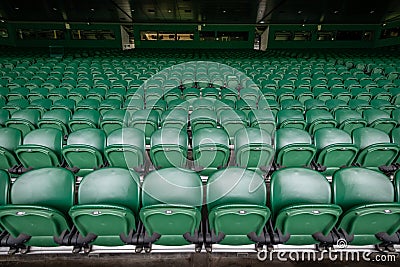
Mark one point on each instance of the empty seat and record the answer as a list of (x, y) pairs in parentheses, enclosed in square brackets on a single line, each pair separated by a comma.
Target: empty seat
[(82, 119), (367, 199), (201, 118), (253, 149), (301, 205), (262, 119), (171, 215), (145, 120), (232, 121), (84, 150), (57, 119), (114, 119), (24, 120), (294, 148), (290, 119), (10, 139), (335, 149), (4, 116), (375, 148), (41, 148), (168, 148), (318, 119), (348, 120), (126, 148), (203, 104), (236, 204), (379, 119), (39, 204), (176, 118), (108, 205), (210, 150)]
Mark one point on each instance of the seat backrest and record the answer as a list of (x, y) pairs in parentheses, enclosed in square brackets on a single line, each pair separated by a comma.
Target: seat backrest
[(90, 136), (296, 186), (186, 186), (364, 137), (5, 183), (50, 138), (210, 136), (251, 136), (127, 136), (359, 186), (170, 136), (10, 138), (235, 185), (48, 187), (111, 186), (330, 136), (288, 136)]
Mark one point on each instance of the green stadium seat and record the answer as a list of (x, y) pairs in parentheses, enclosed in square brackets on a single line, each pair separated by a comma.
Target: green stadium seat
[(301, 205), (145, 120), (158, 105), (379, 119), (292, 104), (109, 104), (96, 94), (294, 148), (126, 148), (171, 215), (318, 119), (232, 121), (67, 104), (236, 204), (85, 118), (210, 150), (229, 94), (349, 120), (84, 150), (262, 119), (86, 104), (271, 105), (114, 119), (133, 104), (24, 120), (57, 119), (202, 118), (375, 148), (176, 118), (210, 93), (203, 104), (108, 205), (169, 147), (335, 149), (38, 210), (253, 149), (10, 139), (191, 93), (41, 148), (367, 199), (290, 119), (335, 104)]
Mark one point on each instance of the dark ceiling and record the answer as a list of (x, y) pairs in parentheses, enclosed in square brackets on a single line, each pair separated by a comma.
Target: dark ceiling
[(203, 11)]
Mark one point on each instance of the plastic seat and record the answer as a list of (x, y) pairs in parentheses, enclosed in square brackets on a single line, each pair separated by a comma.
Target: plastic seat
[(114, 119), (83, 119), (176, 118), (66, 104), (145, 120), (57, 119), (294, 148), (210, 93), (203, 104), (379, 119), (38, 210), (301, 205), (290, 119), (126, 148), (335, 149), (335, 104), (168, 148), (171, 215), (292, 105), (232, 121), (253, 149), (367, 199), (13, 106), (315, 104), (318, 119), (246, 105), (210, 150), (41, 148), (24, 120), (236, 204), (191, 93), (4, 116), (133, 104), (375, 147), (349, 120), (229, 94), (84, 150), (270, 105), (203, 118), (262, 119), (157, 105), (10, 139), (108, 205), (86, 104)]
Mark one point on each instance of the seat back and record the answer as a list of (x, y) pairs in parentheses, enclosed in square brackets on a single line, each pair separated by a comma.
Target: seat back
[(367, 198), (202, 118), (114, 119), (40, 200), (57, 119), (145, 120), (24, 120), (10, 139), (236, 203), (171, 215), (41, 148), (108, 205), (126, 148)]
